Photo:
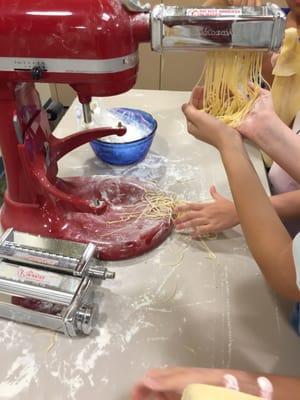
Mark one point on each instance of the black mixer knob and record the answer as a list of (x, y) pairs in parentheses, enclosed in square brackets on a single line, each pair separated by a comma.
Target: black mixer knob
[(37, 73)]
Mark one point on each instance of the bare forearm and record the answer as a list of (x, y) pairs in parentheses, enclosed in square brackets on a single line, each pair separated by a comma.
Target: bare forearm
[(265, 234), (282, 145), (287, 205)]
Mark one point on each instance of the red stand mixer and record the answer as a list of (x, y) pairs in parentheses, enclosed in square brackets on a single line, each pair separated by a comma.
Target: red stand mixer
[(92, 45)]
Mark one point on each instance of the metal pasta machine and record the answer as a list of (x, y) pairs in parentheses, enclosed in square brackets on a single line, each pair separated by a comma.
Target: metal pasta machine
[(252, 28), (49, 283), (92, 45)]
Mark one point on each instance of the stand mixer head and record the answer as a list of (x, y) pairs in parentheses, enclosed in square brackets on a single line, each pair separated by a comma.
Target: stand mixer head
[(92, 46)]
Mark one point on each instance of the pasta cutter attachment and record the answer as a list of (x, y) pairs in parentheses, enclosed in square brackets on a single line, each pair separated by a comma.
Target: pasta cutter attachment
[(203, 28), (49, 283)]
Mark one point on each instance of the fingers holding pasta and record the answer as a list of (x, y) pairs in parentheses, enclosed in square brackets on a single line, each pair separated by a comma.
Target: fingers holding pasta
[(260, 118), (196, 98), (206, 127)]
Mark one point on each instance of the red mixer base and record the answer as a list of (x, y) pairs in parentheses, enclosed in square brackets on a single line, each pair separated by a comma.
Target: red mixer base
[(122, 231)]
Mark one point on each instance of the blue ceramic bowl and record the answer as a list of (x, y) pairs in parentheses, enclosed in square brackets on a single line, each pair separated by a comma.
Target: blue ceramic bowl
[(127, 153)]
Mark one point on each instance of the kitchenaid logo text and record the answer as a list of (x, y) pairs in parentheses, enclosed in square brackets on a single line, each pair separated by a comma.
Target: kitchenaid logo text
[(205, 31), (30, 275)]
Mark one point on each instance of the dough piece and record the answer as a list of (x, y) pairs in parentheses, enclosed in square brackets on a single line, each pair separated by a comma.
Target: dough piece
[(206, 392)]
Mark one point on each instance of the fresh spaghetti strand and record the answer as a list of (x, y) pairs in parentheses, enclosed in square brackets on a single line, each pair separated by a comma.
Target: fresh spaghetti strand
[(154, 205), (227, 93)]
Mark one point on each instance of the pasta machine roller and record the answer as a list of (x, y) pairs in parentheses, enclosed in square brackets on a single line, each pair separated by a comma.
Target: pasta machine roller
[(49, 283), (181, 28)]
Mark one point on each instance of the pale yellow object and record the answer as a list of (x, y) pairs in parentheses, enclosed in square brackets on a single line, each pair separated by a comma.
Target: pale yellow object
[(227, 93), (206, 392), (286, 84)]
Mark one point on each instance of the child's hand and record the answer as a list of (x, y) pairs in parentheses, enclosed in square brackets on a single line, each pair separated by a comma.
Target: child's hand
[(260, 119), (169, 383), (204, 126), (207, 218)]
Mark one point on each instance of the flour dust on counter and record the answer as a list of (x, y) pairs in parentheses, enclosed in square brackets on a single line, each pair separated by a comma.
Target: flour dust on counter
[(76, 370), (22, 372), (23, 369), (136, 309), (175, 175)]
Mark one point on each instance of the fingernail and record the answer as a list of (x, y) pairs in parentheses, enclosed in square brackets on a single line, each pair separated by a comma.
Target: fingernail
[(231, 382), (266, 388), (150, 382)]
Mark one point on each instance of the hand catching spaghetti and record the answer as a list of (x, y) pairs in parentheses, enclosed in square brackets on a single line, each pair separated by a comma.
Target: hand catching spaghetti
[(205, 127), (260, 119)]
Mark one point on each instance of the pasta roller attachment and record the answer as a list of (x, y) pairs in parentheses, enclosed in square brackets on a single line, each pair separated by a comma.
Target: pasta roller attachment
[(203, 28), (49, 283)]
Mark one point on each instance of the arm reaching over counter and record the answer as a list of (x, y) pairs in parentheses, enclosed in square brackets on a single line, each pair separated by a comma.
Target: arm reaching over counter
[(220, 214), (267, 238), (169, 383), (277, 255), (267, 131)]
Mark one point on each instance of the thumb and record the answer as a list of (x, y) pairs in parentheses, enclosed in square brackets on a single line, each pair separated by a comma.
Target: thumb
[(189, 111), (195, 116), (197, 97), (214, 194)]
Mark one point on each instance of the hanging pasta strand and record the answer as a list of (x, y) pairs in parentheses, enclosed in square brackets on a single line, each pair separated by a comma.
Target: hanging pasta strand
[(227, 94)]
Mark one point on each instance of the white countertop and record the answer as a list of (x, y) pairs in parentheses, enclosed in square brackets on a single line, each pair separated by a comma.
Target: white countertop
[(172, 306)]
